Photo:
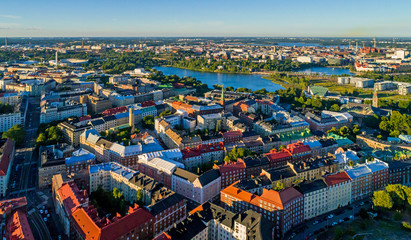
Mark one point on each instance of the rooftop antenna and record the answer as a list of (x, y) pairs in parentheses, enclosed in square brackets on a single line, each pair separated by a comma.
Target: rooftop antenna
[(5, 41), (82, 41), (356, 46)]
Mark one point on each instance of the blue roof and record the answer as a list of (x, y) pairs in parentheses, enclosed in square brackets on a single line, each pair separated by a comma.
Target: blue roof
[(80, 159), (113, 167), (121, 115)]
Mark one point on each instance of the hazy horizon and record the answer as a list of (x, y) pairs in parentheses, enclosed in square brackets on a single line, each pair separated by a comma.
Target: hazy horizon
[(181, 18)]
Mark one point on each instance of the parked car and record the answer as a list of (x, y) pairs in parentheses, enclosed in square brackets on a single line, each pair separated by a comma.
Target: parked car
[(316, 222), (331, 216), (341, 221), (334, 223)]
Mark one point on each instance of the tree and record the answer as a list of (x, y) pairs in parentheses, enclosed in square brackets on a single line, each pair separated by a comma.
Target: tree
[(407, 191), (281, 148), (397, 194), (350, 163), (335, 108), (139, 196), (17, 133), (148, 122), (279, 186), (382, 199)]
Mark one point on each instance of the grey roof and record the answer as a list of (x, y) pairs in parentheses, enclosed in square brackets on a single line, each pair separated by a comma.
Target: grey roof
[(109, 118), (191, 177), (257, 227), (208, 176), (97, 122), (313, 186), (165, 203)]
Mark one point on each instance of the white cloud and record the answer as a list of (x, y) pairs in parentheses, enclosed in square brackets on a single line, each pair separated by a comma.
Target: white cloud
[(9, 16)]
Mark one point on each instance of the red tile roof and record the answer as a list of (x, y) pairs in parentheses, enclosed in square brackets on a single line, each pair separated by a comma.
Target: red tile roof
[(298, 147), (148, 104), (227, 167), (6, 157), (337, 178), (273, 155), (230, 134), (116, 110), (202, 148)]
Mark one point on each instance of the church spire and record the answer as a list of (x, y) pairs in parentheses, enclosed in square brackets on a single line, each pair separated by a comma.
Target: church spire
[(222, 97)]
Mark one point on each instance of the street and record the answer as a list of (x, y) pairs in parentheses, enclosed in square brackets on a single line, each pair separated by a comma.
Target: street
[(23, 180), (311, 228)]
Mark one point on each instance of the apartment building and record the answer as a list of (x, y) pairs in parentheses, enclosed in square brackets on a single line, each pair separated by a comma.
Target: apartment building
[(283, 208), (161, 170), (14, 222), (51, 113), (7, 151), (210, 221), (232, 172), (315, 198), (194, 157), (198, 188), (339, 190)]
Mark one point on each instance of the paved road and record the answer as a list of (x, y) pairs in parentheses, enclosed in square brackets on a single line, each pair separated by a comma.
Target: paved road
[(25, 169), (308, 229)]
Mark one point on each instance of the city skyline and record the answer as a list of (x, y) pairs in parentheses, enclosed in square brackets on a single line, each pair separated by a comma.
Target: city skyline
[(213, 19)]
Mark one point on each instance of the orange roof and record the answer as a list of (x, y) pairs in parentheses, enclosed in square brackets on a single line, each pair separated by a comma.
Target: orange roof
[(89, 228), (163, 236), (71, 196), (93, 227), (278, 199), (18, 227)]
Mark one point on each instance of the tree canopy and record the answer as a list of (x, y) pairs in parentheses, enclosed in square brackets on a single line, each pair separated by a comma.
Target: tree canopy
[(17, 133)]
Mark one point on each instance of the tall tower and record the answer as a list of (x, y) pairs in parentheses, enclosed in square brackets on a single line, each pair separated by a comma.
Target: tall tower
[(57, 59), (375, 42), (222, 98), (5, 41), (131, 118), (375, 99)]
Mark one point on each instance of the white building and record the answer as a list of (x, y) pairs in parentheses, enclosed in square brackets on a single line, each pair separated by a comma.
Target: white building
[(339, 190), (9, 120), (56, 113), (315, 198)]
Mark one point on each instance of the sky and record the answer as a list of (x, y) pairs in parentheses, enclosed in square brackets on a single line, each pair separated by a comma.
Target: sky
[(212, 18)]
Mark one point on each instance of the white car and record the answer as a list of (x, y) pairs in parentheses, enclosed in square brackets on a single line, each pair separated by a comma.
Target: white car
[(41, 211), (45, 219), (331, 216), (334, 223)]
